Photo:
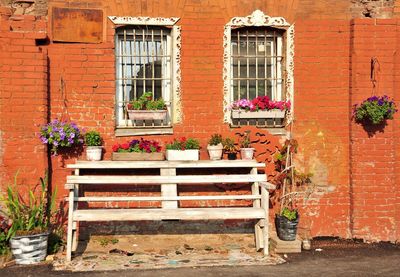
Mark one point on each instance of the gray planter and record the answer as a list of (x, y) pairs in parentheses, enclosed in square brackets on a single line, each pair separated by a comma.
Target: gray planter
[(286, 229), (29, 249)]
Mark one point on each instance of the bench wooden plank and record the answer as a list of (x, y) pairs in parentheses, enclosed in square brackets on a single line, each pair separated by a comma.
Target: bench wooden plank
[(160, 198), (166, 164), (182, 179), (169, 214)]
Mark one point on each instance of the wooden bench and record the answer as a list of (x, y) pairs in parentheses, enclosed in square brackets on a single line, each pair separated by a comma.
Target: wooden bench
[(168, 181)]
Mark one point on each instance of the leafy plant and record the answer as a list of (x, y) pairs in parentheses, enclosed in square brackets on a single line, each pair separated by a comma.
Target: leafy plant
[(215, 139), (183, 144), (229, 145), (60, 134), (375, 109), (105, 241), (245, 141), (146, 102), (93, 138), (138, 146), (4, 229), (31, 216), (290, 214)]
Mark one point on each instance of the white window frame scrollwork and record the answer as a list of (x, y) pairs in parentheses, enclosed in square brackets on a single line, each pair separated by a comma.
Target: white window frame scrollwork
[(259, 19), (176, 112)]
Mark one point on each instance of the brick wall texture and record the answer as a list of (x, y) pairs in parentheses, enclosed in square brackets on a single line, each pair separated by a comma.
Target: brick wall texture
[(356, 170)]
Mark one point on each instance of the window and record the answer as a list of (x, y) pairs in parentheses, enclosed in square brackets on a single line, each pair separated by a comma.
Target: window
[(258, 61), (256, 55), (147, 60)]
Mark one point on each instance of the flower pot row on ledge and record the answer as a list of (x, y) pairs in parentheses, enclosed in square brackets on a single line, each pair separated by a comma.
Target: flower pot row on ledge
[(183, 149), (66, 135)]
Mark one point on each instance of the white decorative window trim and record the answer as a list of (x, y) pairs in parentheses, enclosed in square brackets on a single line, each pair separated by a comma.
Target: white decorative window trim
[(176, 113), (259, 19)]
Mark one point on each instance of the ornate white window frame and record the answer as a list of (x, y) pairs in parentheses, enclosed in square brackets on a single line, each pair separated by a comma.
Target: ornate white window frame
[(259, 19), (176, 116)]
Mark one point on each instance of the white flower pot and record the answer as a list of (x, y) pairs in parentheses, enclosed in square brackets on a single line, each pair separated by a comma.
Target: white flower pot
[(247, 153), (93, 153), (182, 155), (29, 249), (215, 151), (147, 114), (243, 114)]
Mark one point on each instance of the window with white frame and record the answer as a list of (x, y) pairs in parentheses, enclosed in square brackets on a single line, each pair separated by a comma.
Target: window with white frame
[(256, 68), (258, 61), (147, 61)]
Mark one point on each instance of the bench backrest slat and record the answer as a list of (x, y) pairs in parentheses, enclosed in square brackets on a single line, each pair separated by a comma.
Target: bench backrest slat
[(182, 179)]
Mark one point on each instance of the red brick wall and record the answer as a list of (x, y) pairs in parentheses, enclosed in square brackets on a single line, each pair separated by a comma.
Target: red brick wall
[(23, 98), (357, 190)]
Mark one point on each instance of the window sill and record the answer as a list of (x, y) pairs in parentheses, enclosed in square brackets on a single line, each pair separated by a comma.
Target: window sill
[(124, 132)]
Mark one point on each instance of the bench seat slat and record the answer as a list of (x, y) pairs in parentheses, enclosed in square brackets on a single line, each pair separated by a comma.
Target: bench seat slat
[(182, 179), (160, 198), (168, 214)]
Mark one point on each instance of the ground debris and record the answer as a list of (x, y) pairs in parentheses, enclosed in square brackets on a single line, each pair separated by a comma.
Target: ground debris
[(121, 252)]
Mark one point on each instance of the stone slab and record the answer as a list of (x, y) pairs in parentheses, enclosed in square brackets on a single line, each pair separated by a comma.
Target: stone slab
[(280, 246)]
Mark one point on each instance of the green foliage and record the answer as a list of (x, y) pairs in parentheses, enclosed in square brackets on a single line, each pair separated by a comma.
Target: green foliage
[(290, 214), (105, 241), (146, 102), (375, 110), (4, 227), (229, 145), (215, 139), (183, 144), (29, 216), (93, 138), (245, 141), (55, 241)]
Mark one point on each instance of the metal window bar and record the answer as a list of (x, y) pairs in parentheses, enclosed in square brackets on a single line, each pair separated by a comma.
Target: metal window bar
[(138, 54), (263, 60)]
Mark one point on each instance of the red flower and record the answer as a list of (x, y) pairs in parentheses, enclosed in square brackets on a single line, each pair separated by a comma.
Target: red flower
[(183, 139), (125, 146), (115, 147)]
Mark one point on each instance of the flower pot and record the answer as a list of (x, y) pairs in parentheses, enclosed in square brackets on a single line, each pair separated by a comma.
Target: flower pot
[(286, 229), (243, 114), (247, 153), (93, 153), (29, 249), (182, 155), (215, 151), (232, 156), (147, 115), (137, 156)]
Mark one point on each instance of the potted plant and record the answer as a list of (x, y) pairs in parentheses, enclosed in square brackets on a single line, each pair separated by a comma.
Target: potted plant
[(230, 148), (137, 150), (94, 149), (290, 184), (183, 150), (147, 108), (58, 134), (375, 110), (215, 147), (30, 222), (259, 107), (246, 151)]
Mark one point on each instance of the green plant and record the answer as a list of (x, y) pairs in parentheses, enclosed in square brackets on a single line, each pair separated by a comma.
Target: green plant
[(31, 216), (146, 102), (245, 141), (105, 241), (290, 214), (215, 139), (4, 228), (183, 144), (375, 110), (229, 145), (93, 138)]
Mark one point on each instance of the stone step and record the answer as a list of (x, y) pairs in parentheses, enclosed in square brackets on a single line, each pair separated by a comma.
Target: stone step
[(280, 246)]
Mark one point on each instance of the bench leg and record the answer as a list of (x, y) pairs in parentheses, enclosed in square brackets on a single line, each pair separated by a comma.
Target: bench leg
[(259, 235), (70, 222), (265, 237), (74, 237)]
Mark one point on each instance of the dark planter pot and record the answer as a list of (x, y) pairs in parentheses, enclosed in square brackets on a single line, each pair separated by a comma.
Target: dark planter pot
[(285, 228), (231, 156)]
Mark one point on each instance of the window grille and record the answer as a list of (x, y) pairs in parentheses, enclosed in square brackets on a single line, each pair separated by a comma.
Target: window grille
[(143, 61), (257, 66)]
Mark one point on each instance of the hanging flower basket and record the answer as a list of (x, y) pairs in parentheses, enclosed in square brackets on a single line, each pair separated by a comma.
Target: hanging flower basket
[(375, 110)]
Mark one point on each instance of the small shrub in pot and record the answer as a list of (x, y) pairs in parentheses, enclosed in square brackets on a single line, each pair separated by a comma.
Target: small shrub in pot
[(93, 142), (215, 147)]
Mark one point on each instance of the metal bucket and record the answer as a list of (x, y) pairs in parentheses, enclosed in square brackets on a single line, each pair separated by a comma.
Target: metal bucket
[(285, 228), (29, 249)]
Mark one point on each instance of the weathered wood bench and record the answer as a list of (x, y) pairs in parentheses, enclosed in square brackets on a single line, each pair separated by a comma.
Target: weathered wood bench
[(168, 181)]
